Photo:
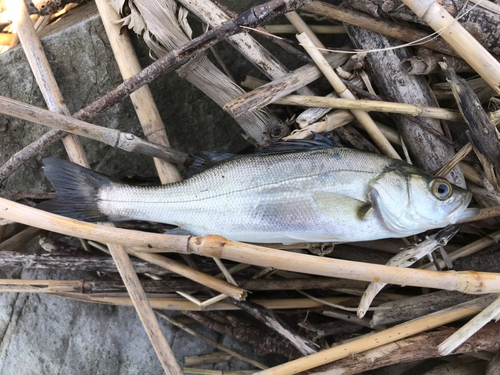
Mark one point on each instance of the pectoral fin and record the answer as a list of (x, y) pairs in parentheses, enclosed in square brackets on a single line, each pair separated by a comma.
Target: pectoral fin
[(339, 207)]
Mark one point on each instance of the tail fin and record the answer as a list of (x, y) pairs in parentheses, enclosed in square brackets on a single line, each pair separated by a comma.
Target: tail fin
[(77, 190)]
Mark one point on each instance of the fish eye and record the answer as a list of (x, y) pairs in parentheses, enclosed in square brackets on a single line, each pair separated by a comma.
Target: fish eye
[(441, 188)]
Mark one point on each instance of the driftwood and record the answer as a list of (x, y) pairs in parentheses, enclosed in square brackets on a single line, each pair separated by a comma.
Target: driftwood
[(396, 85), (19, 239), (89, 262), (427, 62), (416, 348), (484, 135), (414, 307), (263, 341), (483, 262)]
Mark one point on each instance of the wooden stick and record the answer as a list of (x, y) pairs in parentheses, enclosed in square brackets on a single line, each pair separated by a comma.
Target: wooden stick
[(361, 115), (144, 104), (210, 342), (461, 41), (113, 137), (177, 304), (206, 359), (18, 240), (216, 246), (317, 29), (376, 339), (302, 27)]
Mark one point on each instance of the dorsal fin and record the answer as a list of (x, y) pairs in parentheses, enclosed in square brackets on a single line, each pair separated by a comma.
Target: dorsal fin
[(205, 160), (297, 145)]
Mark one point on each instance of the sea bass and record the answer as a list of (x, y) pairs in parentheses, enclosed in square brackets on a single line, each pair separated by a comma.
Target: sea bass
[(323, 194)]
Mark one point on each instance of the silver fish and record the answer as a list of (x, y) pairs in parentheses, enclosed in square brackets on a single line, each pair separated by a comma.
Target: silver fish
[(319, 195)]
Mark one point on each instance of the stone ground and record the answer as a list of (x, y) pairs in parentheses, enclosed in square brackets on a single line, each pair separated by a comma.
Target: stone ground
[(42, 334)]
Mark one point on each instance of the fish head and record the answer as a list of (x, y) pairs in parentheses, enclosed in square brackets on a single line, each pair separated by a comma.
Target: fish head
[(411, 201)]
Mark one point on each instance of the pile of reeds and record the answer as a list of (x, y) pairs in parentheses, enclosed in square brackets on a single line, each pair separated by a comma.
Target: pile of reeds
[(414, 85)]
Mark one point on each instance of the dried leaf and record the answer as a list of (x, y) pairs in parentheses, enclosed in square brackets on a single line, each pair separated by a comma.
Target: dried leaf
[(183, 22)]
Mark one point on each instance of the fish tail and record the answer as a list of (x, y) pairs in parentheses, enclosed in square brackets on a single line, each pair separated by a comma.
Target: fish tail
[(77, 190)]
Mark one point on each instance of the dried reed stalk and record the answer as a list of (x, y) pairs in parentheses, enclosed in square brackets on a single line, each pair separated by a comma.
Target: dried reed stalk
[(371, 105), (464, 43), (361, 115), (41, 286), (216, 246), (142, 99), (278, 88)]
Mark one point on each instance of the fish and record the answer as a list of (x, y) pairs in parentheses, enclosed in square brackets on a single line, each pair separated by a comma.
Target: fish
[(312, 191)]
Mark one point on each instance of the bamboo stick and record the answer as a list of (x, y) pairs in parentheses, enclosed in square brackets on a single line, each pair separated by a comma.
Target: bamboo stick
[(363, 117), (216, 246), (55, 102), (377, 339), (113, 137), (461, 41), (144, 104), (317, 29)]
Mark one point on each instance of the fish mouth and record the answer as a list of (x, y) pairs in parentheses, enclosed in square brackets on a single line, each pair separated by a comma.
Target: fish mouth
[(461, 212)]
